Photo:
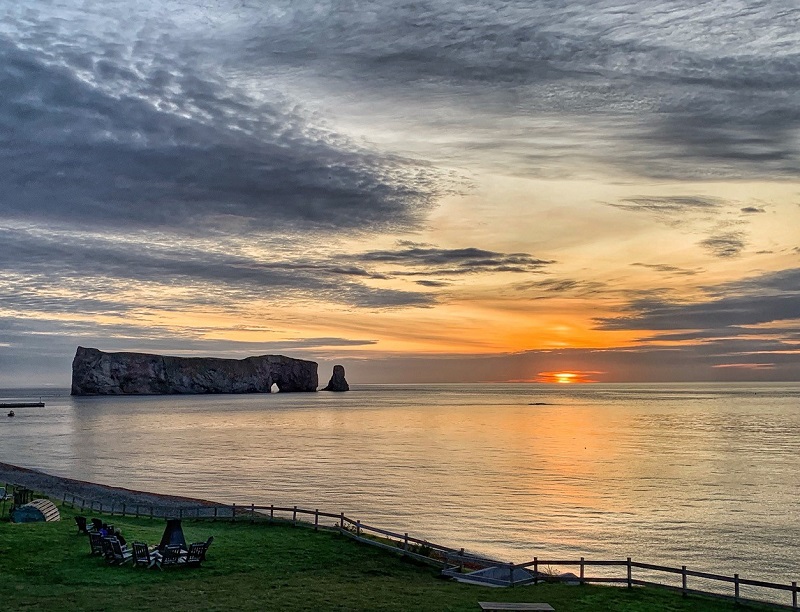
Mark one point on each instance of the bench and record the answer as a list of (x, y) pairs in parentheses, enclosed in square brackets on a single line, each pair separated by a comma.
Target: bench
[(497, 606)]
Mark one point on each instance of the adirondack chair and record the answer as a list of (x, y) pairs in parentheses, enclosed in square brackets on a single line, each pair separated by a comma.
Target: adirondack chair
[(96, 543), (205, 548), (108, 551), (97, 524), (171, 555), (196, 554), (114, 553), (83, 527), (121, 554), (142, 557)]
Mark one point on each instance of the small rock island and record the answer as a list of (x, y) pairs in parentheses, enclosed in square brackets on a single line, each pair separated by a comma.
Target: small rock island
[(337, 381), (95, 372)]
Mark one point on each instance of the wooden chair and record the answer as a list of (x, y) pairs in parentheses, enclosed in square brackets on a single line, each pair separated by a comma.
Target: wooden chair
[(196, 554), (83, 527), (97, 524), (108, 551), (171, 555), (96, 543), (114, 553), (205, 548), (142, 557)]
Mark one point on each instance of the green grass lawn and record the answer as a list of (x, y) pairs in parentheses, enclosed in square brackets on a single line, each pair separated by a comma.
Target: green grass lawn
[(47, 566)]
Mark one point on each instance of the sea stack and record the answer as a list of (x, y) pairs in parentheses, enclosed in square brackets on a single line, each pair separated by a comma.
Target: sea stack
[(97, 373), (337, 381)]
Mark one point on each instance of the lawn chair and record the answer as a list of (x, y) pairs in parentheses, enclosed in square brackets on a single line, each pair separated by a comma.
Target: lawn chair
[(97, 524), (171, 555), (83, 527), (205, 548), (114, 553), (196, 554), (96, 543), (142, 557)]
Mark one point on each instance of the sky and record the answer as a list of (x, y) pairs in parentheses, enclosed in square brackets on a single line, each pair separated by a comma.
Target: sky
[(433, 191)]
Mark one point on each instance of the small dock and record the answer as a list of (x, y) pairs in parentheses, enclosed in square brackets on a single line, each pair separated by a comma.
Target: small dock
[(21, 405)]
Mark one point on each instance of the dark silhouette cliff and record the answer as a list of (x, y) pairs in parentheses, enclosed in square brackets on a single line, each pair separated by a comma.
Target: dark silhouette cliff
[(97, 373)]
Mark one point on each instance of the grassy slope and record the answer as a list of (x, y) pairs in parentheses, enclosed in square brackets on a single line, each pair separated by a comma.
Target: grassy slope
[(267, 567)]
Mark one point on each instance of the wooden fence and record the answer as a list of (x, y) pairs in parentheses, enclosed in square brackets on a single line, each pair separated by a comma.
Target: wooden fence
[(454, 561)]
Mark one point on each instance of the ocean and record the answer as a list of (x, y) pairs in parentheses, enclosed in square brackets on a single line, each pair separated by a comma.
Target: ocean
[(702, 475)]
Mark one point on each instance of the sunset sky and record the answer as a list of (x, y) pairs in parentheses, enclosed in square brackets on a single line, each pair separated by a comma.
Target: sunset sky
[(434, 191)]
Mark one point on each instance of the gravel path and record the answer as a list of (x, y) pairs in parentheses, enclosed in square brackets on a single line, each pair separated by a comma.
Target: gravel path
[(57, 486)]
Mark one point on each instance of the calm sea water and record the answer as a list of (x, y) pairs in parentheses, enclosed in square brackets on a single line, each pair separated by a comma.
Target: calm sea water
[(703, 475)]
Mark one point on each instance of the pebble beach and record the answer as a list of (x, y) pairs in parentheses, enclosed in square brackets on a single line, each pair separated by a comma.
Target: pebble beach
[(57, 487)]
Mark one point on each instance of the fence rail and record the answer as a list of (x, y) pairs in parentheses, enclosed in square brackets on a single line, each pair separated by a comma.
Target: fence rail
[(453, 561)]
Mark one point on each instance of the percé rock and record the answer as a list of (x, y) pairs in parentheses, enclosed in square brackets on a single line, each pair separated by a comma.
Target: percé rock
[(337, 381), (97, 373)]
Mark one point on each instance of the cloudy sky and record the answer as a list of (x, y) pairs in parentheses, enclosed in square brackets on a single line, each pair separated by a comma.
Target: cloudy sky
[(427, 191)]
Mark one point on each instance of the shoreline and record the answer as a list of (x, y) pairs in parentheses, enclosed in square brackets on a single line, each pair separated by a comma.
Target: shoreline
[(57, 486)]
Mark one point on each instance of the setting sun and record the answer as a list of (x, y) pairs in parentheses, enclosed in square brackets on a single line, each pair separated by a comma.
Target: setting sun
[(565, 378)]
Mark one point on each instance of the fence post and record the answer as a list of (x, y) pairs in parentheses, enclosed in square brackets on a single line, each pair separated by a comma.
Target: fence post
[(123, 508), (794, 596), (137, 510), (316, 519), (536, 570), (151, 512), (271, 512), (215, 513), (461, 560), (180, 513), (83, 503), (233, 512), (630, 583), (358, 528), (112, 508), (582, 573), (294, 516), (510, 574), (64, 503), (405, 542), (736, 588), (252, 513), (683, 580), (341, 522)]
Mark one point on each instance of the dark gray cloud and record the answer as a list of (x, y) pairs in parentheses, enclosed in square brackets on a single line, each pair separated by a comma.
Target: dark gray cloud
[(558, 287), (727, 244), (777, 283), (669, 205), (693, 362), (662, 89), (208, 156), (668, 269), (764, 299), (785, 333), (656, 88), (752, 210), (90, 274), (425, 259)]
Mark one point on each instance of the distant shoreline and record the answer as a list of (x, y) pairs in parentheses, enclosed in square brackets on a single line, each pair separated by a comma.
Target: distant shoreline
[(58, 486)]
